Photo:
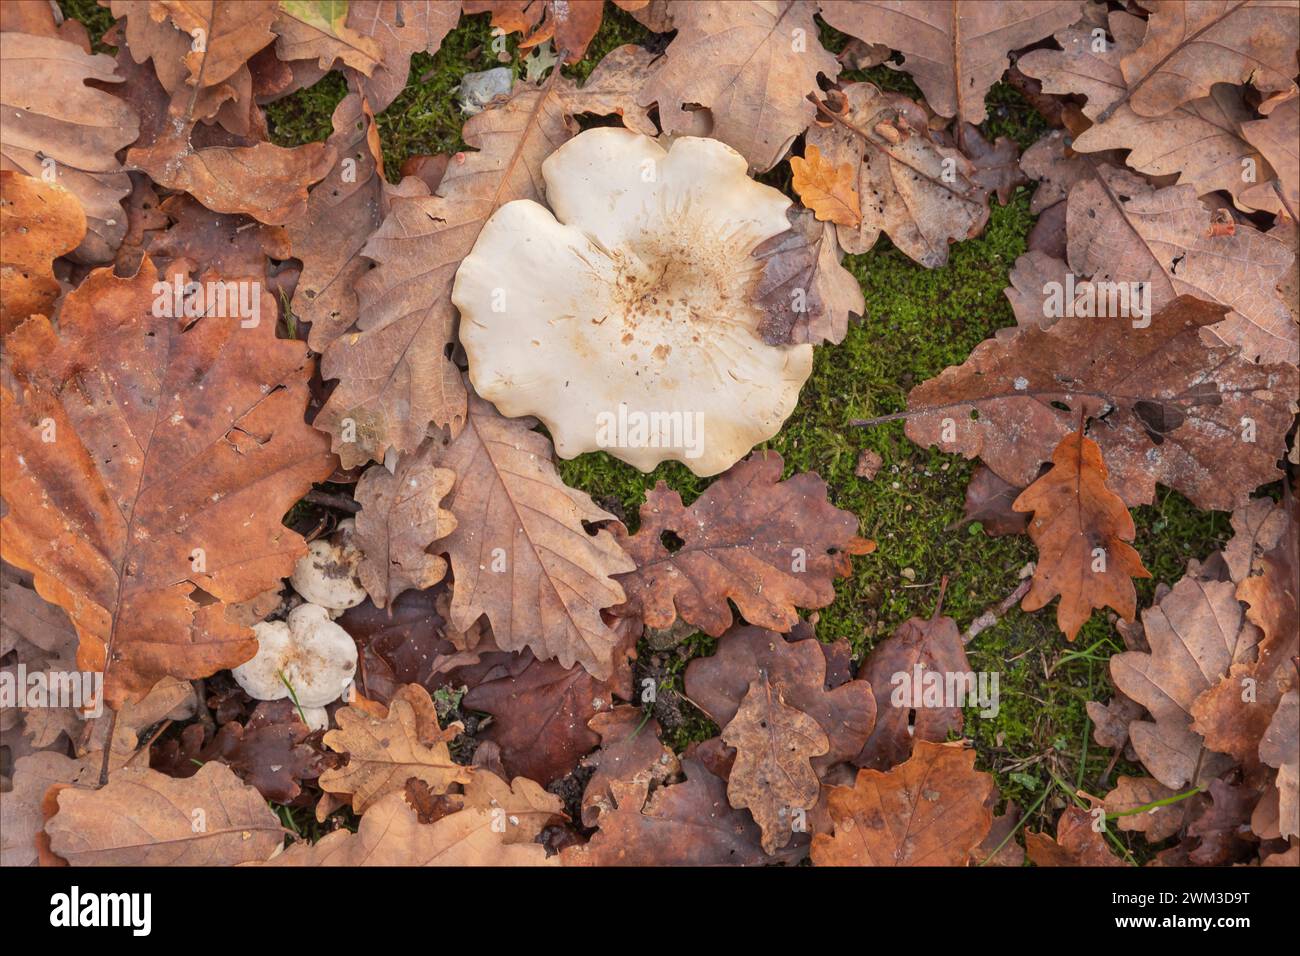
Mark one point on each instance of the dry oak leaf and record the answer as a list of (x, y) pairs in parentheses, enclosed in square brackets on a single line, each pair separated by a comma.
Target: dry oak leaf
[(1202, 141), (955, 50), (319, 30), (527, 808), (770, 546), (806, 293), (391, 834), (1276, 136), (1173, 405), (798, 670), (1156, 824), (224, 34), (1081, 529), (772, 775), (21, 818), (541, 713), (1123, 230), (1076, 843), (385, 752), (989, 500), (826, 189), (1280, 748), (571, 24), (520, 552), (932, 810), (399, 518), (39, 222), (177, 451), (630, 752), (143, 818), (922, 193), (400, 28), (50, 120), (685, 824), (1192, 44), (395, 377), (751, 65), (1197, 632), (265, 181), (931, 650)]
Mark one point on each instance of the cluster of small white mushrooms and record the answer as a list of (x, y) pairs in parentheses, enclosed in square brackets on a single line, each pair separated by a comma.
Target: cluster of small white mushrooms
[(624, 316), (308, 657)]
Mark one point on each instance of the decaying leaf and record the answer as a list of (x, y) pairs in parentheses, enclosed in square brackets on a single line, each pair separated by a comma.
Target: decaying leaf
[(954, 49), (771, 546), (751, 65), (38, 223), (519, 551), (1173, 404), (932, 810), (176, 450), (1077, 843), (772, 776), (1082, 530), (309, 29), (400, 28), (1275, 136), (383, 753), (399, 518), (143, 818), (52, 122), (923, 194), (571, 24)]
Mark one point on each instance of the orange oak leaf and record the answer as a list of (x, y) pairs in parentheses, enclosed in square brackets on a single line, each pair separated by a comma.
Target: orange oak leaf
[(1081, 529), (38, 223), (932, 810), (1077, 843), (147, 461), (828, 190)]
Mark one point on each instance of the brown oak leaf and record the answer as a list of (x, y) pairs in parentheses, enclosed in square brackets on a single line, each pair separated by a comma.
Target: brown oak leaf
[(39, 222), (384, 752), (571, 24), (401, 28), (144, 818), (806, 293), (630, 752), (770, 546), (1076, 843), (1173, 405), (178, 446), (1276, 136), (1082, 530), (399, 518), (932, 810), (954, 49)]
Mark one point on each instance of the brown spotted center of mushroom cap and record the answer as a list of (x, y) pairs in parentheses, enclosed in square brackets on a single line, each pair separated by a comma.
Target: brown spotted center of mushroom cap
[(679, 290)]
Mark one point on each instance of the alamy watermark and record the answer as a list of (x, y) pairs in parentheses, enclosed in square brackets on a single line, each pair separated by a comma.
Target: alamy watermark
[(1127, 300), (927, 688), (81, 690), (222, 300), (627, 428)]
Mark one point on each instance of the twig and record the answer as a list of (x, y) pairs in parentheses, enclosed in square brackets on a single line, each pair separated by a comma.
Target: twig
[(330, 500), (994, 614)]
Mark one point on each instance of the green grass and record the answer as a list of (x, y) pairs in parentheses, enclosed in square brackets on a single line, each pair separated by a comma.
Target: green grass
[(918, 321)]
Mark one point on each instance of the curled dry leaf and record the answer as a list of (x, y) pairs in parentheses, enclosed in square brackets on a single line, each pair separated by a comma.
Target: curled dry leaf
[(989, 500), (954, 49), (399, 518), (1082, 530), (400, 28), (1173, 405), (1077, 843), (52, 121), (1190, 46), (385, 752), (395, 377), (769, 545), (932, 810), (143, 818), (520, 552), (166, 479), (1202, 141), (772, 775), (752, 65), (923, 194), (39, 222)]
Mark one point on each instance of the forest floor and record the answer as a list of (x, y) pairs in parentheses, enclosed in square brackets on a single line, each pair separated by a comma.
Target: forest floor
[(1039, 745)]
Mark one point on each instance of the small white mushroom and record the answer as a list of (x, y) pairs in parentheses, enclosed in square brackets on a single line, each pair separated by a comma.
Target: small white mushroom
[(624, 316), (308, 653), (327, 574)]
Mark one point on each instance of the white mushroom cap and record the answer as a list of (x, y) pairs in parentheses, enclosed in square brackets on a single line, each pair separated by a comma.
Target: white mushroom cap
[(317, 658), (327, 574), (629, 324)]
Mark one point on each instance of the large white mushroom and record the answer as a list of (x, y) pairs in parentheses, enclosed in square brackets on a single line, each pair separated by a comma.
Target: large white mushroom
[(308, 653), (626, 320), (327, 574)]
